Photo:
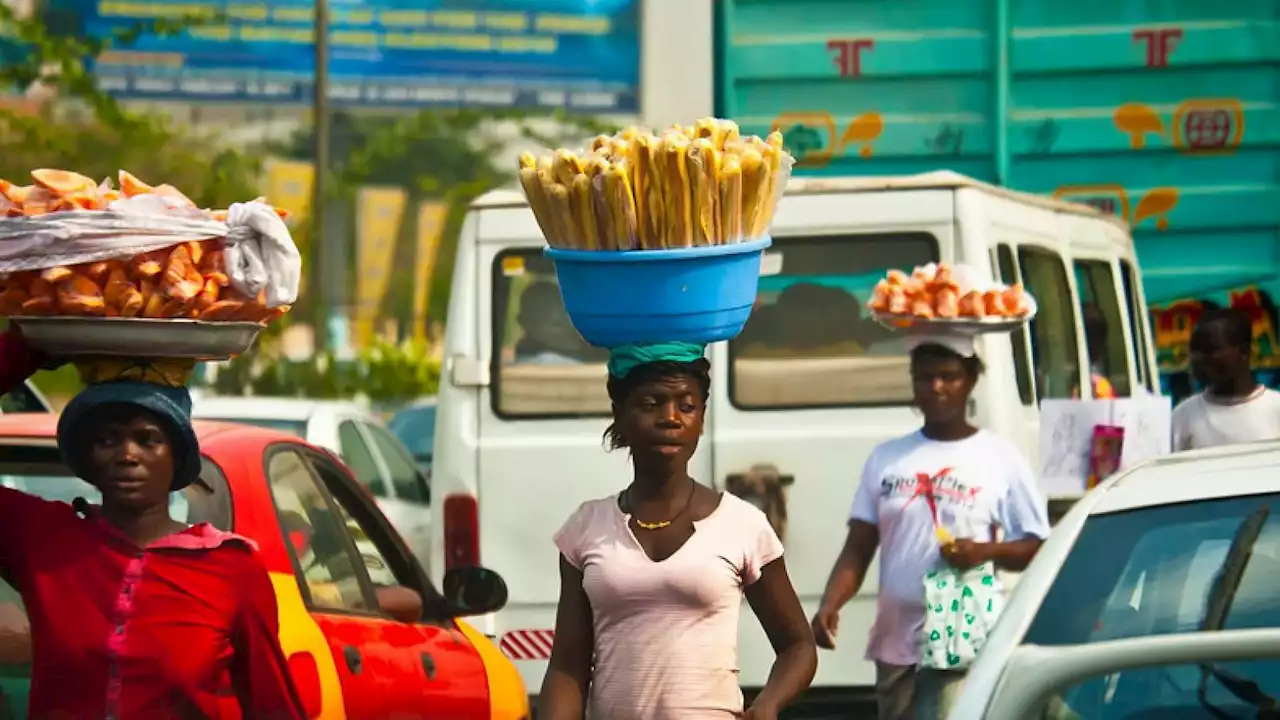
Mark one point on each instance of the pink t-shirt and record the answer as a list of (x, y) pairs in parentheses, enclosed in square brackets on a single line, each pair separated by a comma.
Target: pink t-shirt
[(666, 633)]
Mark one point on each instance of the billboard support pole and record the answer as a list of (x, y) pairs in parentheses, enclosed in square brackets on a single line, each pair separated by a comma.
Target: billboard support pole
[(323, 255)]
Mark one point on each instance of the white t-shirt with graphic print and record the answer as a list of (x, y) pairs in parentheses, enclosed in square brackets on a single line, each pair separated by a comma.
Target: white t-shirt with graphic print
[(979, 483)]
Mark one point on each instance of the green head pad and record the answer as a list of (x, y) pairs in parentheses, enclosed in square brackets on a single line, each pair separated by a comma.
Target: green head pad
[(625, 358)]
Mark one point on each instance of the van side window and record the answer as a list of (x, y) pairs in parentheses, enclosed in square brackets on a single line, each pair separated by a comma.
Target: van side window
[(541, 367), (1054, 350), (1103, 328), (1018, 339), (1137, 324), (810, 341)]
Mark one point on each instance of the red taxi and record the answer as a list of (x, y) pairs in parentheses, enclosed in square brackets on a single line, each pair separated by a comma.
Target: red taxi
[(367, 635)]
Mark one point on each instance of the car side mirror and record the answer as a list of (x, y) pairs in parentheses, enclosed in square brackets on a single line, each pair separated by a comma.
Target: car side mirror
[(474, 591), (400, 603)]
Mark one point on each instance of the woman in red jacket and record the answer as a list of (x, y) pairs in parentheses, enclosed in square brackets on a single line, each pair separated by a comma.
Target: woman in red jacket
[(133, 614)]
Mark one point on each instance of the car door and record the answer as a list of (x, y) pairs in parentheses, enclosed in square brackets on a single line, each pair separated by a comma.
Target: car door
[(438, 672), (336, 581), (410, 510)]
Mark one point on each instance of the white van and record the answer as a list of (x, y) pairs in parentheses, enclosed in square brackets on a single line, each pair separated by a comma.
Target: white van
[(797, 401)]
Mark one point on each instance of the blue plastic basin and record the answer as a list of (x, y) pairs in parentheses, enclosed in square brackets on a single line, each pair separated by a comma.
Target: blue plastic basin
[(699, 295)]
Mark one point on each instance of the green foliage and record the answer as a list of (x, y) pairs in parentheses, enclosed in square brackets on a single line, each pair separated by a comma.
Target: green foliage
[(447, 155), (384, 373)]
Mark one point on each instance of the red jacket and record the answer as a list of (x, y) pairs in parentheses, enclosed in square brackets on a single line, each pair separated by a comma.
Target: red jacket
[(170, 631)]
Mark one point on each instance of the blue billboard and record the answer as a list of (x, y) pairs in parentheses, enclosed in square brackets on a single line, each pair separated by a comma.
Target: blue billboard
[(583, 55)]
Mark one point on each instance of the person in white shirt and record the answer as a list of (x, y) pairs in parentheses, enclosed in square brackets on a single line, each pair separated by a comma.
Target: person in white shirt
[(1233, 408), (948, 474)]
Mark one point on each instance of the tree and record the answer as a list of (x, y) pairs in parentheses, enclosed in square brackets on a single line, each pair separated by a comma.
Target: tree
[(448, 155)]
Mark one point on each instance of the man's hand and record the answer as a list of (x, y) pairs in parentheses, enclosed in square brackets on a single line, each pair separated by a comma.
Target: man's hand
[(825, 623), (964, 554)]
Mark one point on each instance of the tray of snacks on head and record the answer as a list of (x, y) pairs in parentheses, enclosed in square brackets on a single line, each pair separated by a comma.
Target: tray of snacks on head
[(140, 271), (659, 236), (953, 297)]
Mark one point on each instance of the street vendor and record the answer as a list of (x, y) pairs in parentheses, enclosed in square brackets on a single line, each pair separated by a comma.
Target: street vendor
[(934, 496), (134, 614), (651, 579)]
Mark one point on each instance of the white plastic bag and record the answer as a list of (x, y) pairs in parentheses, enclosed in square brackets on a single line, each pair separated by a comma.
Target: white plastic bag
[(260, 253)]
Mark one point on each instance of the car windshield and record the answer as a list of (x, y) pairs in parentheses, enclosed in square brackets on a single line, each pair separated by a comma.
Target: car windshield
[(1151, 571), (297, 428), (40, 471), (416, 428)]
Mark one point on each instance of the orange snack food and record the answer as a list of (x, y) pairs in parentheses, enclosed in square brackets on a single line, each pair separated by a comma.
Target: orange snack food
[(185, 281), (931, 292)]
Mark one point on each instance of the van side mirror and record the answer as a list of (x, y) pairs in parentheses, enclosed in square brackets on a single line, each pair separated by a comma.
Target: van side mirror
[(474, 591)]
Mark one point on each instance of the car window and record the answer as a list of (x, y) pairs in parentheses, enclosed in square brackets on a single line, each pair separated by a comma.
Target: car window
[(22, 399), (1053, 330), (40, 471), (1008, 270), (541, 366), (297, 428), (1104, 344), (1167, 691), (385, 564), (416, 428), (1149, 572), (810, 341), (356, 454), (315, 536), (1137, 322), (404, 474)]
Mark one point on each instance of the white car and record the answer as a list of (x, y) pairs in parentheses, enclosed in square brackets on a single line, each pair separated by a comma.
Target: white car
[(380, 461), (1155, 597)]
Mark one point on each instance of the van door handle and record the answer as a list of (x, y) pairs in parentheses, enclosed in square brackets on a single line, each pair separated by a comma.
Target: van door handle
[(429, 666), (354, 662)]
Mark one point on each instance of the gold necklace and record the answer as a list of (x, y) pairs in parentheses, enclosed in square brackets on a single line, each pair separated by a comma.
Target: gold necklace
[(665, 523)]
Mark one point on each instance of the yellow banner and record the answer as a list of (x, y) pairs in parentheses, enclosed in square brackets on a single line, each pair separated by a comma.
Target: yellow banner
[(431, 219), (379, 212), (289, 186)]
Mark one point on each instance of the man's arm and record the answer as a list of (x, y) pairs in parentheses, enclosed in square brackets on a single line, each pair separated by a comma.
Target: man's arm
[(17, 361)]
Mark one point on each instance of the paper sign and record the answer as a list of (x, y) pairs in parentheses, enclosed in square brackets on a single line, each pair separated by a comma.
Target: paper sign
[(1067, 437)]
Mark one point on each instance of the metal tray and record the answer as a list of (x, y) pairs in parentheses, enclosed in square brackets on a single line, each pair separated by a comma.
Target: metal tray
[(962, 325), (63, 336)]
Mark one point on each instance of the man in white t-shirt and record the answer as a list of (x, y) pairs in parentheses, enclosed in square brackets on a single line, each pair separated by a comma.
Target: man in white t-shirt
[(1233, 408)]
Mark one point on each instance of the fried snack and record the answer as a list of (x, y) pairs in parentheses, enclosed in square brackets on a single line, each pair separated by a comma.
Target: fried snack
[(704, 167), (647, 184), (755, 189), (584, 212), (729, 201), (933, 292), (187, 280), (673, 164), (621, 204), (535, 191)]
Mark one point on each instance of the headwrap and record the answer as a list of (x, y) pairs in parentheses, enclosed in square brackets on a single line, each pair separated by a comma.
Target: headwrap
[(171, 404), (625, 358), (961, 343)]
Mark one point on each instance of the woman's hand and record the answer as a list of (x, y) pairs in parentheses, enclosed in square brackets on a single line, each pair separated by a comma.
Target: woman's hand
[(963, 554), (760, 712)]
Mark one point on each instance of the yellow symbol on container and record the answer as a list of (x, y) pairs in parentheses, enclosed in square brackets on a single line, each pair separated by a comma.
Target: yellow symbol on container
[(1203, 126), (1114, 198)]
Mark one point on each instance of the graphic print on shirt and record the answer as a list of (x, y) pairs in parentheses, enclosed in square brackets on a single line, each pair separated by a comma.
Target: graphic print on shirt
[(945, 493)]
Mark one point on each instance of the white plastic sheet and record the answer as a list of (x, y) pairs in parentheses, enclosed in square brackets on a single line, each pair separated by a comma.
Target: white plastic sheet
[(260, 253)]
